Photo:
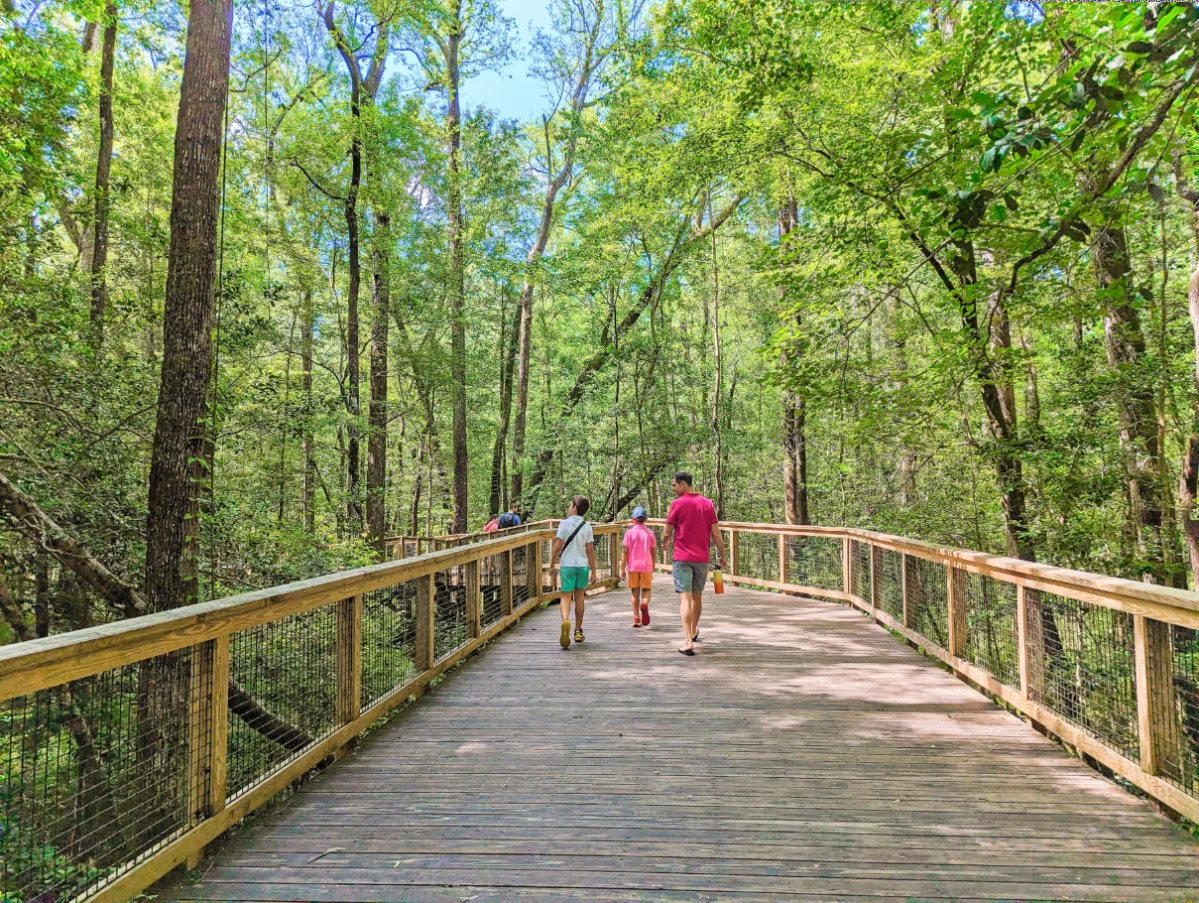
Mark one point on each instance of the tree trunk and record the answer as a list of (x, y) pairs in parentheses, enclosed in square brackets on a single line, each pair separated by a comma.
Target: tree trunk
[(553, 186), (508, 349), (103, 170), (308, 452), (1125, 342), (1188, 489), (457, 276), (376, 454), (717, 390), (188, 310), (795, 442)]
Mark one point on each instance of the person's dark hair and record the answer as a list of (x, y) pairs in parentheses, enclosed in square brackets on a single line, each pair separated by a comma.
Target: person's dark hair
[(581, 504), (683, 477)]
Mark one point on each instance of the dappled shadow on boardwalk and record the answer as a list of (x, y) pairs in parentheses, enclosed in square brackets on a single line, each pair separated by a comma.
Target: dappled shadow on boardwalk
[(803, 754)]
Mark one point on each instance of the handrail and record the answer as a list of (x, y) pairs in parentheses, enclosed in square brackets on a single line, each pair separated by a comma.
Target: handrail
[(126, 748), (1109, 665)]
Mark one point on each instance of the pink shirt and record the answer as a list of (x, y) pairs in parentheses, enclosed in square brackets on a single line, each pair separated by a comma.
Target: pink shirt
[(692, 516), (639, 542)]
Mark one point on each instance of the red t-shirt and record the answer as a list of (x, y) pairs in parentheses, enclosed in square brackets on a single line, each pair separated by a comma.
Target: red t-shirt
[(692, 516)]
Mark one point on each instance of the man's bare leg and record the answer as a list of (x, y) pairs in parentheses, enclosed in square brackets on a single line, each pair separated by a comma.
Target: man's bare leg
[(686, 617), (564, 603), (697, 609), (636, 604)]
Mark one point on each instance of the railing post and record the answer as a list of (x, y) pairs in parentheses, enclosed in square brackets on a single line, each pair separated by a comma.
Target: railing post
[(209, 732), (614, 554), (423, 654), (533, 569), (735, 552), (1032, 674), (1022, 638), (349, 660), (909, 610), (847, 565), (506, 582), (1156, 721), (957, 611), (474, 606), (783, 558), (875, 554)]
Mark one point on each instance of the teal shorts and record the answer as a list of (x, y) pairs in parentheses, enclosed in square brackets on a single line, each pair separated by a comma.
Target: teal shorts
[(574, 578)]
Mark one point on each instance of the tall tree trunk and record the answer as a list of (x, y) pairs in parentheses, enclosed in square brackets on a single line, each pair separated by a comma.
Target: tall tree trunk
[(103, 170), (376, 454), (717, 448), (552, 188), (508, 348), (1188, 488), (795, 442), (308, 452), (363, 90), (1125, 343), (457, 275), (188, 310)]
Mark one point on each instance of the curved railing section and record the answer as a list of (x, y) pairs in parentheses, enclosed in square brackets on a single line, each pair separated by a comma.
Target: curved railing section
[(1110, 666), (126, 748)]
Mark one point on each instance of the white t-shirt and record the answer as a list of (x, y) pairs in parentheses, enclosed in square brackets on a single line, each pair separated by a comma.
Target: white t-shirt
[(575, 554)]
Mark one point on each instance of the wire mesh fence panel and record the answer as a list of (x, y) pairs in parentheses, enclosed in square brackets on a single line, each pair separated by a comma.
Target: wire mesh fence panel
[(603, 559), (814, 561), (1082, 665), (282, 692), (928, 600), (859, 560), (990, 641), (888, 581), (759, 556), (96, 774), (1177, 718), (492, 574), (661, 556), (547, 576), (388, 640), (451, 628), (520, 576)]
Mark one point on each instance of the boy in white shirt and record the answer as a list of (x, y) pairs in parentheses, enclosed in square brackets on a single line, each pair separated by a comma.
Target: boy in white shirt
[(575, 547)]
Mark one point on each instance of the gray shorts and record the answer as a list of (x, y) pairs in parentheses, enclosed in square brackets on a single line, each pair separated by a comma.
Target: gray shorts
[(690, 576)]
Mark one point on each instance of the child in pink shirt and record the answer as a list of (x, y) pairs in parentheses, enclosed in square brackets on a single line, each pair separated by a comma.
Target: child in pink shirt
[(638, 565)]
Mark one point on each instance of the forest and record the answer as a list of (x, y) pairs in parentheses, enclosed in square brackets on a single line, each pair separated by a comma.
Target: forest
[(274, 287)]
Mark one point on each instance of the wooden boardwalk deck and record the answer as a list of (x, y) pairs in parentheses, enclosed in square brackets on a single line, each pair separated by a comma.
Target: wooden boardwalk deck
[(804, 754)]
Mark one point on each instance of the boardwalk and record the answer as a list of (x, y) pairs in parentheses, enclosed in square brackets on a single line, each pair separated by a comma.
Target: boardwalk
[(804, 754)]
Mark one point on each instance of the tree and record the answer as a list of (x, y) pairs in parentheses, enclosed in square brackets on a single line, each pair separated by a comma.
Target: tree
[(188, 313)]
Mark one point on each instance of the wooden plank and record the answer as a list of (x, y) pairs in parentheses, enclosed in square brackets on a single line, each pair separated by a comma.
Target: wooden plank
[(423, 653), (208, 732), (909, 610), (533, 569), (506, 582), (1022, 638), (846, 566), (1157, 725), (957, 611), (474, 599), (349, 660), (784, 564), (874, 565), (734, 554)]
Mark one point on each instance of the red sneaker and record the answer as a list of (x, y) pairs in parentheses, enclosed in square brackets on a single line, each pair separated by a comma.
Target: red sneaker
[(645, 613), (636, 622)]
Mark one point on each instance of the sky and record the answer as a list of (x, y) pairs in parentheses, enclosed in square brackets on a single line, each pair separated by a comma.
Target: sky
[(513, 93)]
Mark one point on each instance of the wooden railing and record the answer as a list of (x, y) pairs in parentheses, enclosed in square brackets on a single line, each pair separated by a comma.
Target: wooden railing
[(125, 749), (1110, 666)]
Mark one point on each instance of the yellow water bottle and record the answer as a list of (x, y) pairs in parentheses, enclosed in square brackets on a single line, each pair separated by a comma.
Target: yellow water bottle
[(718, 580)]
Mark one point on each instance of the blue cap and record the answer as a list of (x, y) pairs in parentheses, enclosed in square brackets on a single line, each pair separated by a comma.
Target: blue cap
[(639, 513)]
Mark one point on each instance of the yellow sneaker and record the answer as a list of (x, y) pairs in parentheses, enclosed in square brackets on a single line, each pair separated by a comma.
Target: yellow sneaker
[(564, 636), (579, 636)]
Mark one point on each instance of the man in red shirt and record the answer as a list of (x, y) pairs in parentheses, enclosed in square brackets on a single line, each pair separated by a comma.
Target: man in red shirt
[(692, 525)]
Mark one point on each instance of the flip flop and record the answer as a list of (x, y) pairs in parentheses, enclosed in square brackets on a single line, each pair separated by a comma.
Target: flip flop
[(687, 651)]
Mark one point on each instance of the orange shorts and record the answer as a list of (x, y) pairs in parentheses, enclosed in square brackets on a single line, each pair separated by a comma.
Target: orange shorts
[(640, 580)]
